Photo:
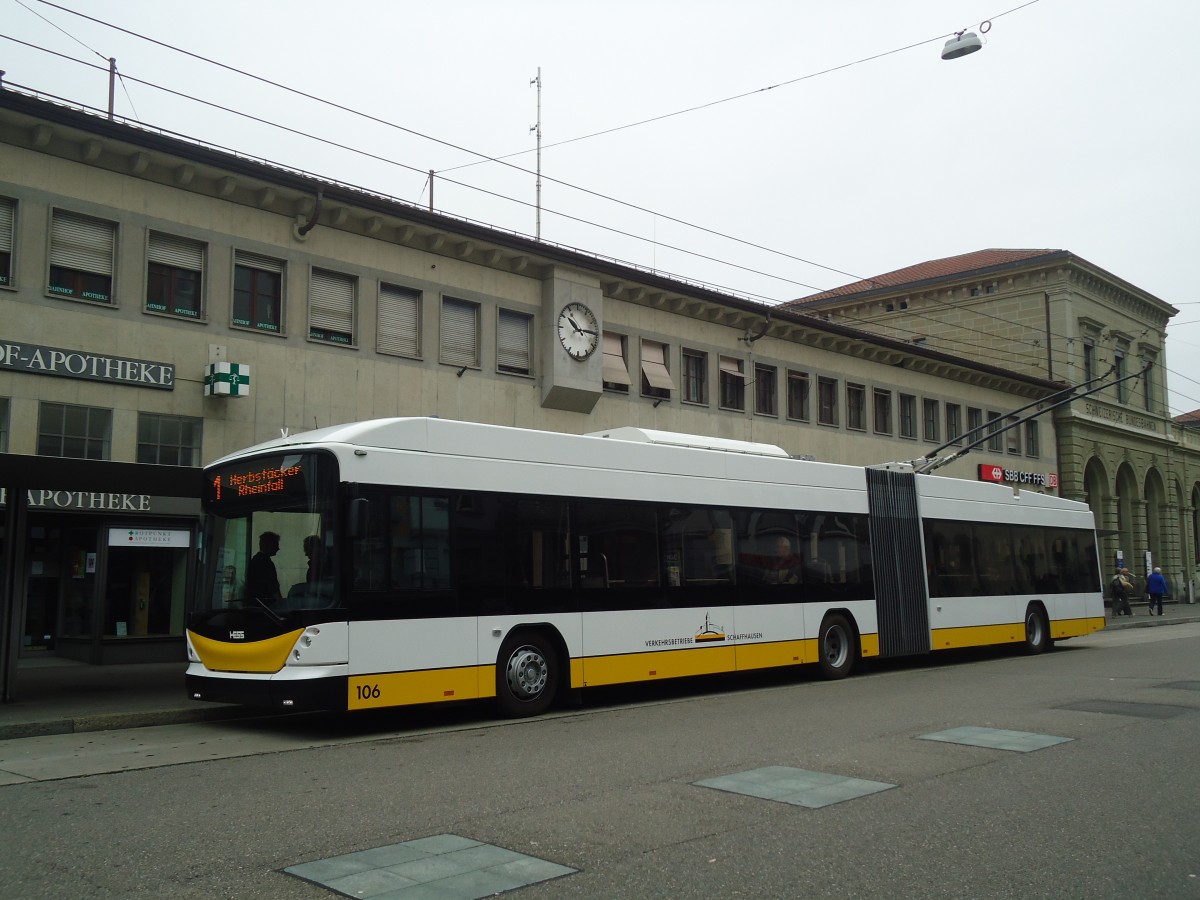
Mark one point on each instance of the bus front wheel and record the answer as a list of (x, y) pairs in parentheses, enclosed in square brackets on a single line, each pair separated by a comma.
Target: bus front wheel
[(836, 646), (526, 675)]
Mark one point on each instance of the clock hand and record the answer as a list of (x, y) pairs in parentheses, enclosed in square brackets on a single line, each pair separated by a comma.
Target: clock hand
[(574, 324), (586, 331)]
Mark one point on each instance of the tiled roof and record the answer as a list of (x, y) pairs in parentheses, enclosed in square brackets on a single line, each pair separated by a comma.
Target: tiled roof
[(1188, 419), (928, 271)]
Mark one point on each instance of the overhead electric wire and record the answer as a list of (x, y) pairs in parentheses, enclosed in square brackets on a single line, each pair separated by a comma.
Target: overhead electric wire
[(488, 158), (976, 348)]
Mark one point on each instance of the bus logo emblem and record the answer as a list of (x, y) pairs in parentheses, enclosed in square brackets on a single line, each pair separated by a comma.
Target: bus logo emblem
[(237, 635)]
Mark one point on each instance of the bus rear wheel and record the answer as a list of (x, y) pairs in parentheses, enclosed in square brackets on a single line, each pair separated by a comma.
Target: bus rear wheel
[(836, 647), (1037, 631), (527, 675)]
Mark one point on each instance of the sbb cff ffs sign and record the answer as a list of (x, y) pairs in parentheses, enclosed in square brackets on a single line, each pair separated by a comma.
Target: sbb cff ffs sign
[(1001, 475)]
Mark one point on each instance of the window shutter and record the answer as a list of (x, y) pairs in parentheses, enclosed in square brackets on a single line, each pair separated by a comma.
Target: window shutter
[(512, 341), (6, 225), (460, 327), (331, 302), (254, 261), (82, 244), (615, 370), (732, 367), (176, 251), (654, 366), (399, 321)]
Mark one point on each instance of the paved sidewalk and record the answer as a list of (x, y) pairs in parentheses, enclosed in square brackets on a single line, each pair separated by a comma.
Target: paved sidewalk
[(56, 696), (59, 696)]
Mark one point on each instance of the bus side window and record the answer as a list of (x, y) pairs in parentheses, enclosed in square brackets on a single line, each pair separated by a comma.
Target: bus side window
[(697, 546), (618, 544)]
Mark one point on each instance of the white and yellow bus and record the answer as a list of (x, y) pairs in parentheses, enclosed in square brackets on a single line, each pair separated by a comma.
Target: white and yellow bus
[(422, 560)]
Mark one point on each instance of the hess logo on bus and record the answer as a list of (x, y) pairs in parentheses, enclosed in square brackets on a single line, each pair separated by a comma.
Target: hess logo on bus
[(237, 635)]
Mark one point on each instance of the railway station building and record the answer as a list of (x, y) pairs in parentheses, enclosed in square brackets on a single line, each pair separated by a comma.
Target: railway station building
[(164, 303)]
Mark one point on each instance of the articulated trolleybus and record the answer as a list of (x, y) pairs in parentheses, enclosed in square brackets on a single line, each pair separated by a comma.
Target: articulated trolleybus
[(406, 561)]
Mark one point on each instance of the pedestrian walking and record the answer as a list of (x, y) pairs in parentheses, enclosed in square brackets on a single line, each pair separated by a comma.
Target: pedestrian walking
[(1122, 590), (1156, 587)]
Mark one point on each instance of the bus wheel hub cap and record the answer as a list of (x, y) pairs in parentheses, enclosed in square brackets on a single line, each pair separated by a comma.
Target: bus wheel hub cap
[(526, 672)]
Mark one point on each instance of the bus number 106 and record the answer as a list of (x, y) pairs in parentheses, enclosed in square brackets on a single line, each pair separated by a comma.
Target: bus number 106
[(367, 691)]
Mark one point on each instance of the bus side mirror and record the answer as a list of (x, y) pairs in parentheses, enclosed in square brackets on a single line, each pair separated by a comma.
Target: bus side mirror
[(357, 521)]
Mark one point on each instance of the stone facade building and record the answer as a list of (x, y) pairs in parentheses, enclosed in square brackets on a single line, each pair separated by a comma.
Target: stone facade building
[(1052, 314), (164, 302)]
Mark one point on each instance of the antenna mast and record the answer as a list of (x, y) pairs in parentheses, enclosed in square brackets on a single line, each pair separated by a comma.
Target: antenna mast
[(537, 126)]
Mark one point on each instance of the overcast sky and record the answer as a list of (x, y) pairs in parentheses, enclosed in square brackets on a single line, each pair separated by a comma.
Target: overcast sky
[(851, 149)]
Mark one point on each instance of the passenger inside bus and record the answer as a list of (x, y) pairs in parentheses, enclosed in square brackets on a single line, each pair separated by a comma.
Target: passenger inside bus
[(262, 582), (783, 566)]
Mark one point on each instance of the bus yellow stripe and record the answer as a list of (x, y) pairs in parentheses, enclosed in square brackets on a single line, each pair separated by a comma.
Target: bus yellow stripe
[(656, 665), (1068, 628), (426, 686), (1009, 633), (776, 653), (252, 656), (977, 636)]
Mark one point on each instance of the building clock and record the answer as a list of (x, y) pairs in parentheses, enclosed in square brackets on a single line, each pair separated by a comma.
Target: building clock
[(578, 331)]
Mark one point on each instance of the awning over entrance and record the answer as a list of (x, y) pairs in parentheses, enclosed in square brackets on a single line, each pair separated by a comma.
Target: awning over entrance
[(20, 473)]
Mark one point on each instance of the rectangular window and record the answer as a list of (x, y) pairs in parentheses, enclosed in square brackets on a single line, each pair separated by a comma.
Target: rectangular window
[(81, 256), (1119, 362), (974, 424), (930, 420), (8, 218), (331, 306), (732, 383), (656, 379), (399, 328), (509, 546), (168, 440), (403, 557), (257, 292), (514, 335), (766, 390), (1089, 361), (1146, 391), (908, 416), (695, 376), (883, 411), (1013, 436), (954, 423), (616, 365), (797, 387), (827, 411), (460, 333), (174, 274), (76, 432), (856, 401), (995, 439), (617, 545), (1033, 444), (3, 424)]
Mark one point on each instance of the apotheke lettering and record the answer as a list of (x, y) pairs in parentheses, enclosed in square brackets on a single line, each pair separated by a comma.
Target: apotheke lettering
[(90, 366), (84, 500)]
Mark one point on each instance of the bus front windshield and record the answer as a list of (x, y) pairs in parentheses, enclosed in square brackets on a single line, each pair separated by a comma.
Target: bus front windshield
[(269, 535)]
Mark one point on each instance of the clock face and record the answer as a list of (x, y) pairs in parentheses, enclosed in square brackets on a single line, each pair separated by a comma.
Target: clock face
[(578, 330)]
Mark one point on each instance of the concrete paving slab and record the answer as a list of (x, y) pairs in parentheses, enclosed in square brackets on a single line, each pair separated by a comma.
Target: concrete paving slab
[(995, 738), (799, 787), (1126, 708), (440, 866)]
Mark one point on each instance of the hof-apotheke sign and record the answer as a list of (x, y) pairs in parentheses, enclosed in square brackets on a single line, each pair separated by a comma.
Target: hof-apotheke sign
[(90, 366)]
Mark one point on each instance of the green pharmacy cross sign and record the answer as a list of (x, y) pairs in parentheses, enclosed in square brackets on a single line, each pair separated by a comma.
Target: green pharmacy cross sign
[(225, 379)]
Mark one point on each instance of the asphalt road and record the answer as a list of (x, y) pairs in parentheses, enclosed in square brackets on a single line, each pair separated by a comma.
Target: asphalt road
[(220, 809)]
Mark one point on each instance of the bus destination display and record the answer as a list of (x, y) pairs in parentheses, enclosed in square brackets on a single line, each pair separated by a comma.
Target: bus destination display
[(264, 478)]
